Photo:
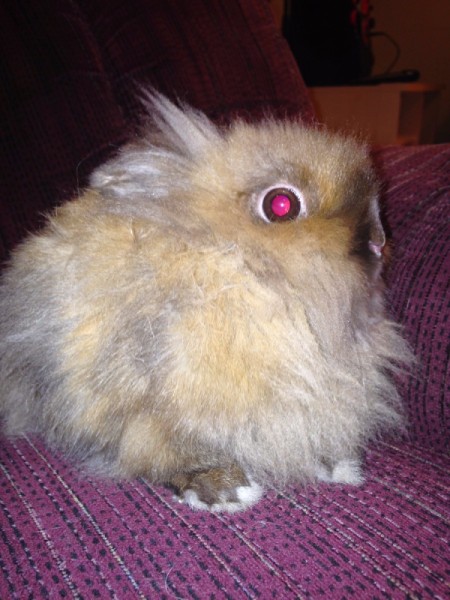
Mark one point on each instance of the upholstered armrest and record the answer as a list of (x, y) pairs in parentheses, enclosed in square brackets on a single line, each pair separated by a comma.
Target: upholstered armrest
[(416, 200)]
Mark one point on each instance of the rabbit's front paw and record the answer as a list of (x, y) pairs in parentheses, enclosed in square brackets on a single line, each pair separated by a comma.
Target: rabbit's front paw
[(218, 489)]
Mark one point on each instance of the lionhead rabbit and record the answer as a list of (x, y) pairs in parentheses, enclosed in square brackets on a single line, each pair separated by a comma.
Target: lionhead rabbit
[(208, 314)]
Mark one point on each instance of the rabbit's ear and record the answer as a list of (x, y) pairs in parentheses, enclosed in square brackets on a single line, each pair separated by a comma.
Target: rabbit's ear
[(172, 140), (377, 238), (188, 131)]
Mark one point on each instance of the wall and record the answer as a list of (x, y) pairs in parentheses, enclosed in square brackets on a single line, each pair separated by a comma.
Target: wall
[(422, 30)]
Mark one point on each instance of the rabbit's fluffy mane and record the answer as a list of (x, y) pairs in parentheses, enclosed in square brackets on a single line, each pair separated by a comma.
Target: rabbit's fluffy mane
[(158, 317)]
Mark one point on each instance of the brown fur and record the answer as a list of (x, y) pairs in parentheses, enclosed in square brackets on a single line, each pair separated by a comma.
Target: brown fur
[(159, 326)]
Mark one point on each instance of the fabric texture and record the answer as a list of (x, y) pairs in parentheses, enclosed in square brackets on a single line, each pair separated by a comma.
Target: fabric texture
[(416, 201), (191, 50), (68, 537), (70, 73)]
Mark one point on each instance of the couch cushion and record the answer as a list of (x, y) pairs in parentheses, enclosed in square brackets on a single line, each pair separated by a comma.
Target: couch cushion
[(63, 535), (223, 57), (57, 113)]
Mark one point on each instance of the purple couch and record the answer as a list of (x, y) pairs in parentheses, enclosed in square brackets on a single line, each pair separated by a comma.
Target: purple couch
[(69, 71)]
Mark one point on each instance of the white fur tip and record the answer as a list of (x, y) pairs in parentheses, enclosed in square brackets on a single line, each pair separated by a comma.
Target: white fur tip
[(247, 496), (345, 471)]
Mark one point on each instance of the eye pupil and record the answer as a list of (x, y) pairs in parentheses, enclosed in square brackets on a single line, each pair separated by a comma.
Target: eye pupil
[(281, 205)]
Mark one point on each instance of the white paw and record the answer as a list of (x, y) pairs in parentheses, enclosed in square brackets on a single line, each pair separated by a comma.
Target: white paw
[(345, 471), (246, 495)]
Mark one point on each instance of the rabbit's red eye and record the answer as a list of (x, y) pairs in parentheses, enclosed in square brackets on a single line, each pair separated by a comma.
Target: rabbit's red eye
[(281, 204)]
